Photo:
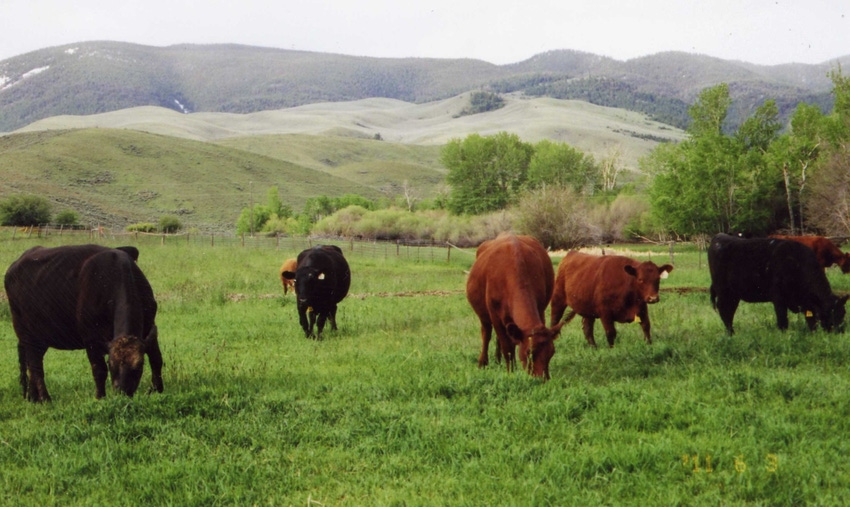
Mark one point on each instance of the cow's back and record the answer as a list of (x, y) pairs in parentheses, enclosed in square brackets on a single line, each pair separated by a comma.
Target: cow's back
[(592, 282), (507, 267), (752, 270), (59, 294)]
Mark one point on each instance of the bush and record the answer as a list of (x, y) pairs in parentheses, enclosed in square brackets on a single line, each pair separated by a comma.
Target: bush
[(620, 220), (558, 217), (24, 210), (141, 227), (67, 217), (169, 224)]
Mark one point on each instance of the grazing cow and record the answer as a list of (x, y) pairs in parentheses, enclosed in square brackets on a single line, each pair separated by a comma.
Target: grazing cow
[(322, 279), (509, 286), (785, 273), (611, 288), (288, 283), (825, 250), (84, 297)]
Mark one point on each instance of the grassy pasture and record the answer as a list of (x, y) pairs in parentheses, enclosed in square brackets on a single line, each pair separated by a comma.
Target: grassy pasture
[(392, 410)]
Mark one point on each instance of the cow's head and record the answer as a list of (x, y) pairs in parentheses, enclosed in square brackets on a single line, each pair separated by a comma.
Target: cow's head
[(833, 319), (647, 276), (844, 263), (310, 282), (127, 361), (539, 345)]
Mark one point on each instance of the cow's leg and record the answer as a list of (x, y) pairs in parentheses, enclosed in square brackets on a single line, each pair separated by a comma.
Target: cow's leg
[(610, 330), (332, 317), (559, 305), (155, 356), (506, 346), (727, 307), (812, 323), (486, 333), (312, 315), (643, 314), (22, 362), (781, 315), (35, 390), (302, 317), (320, 324), (99, 370), (587, 326)]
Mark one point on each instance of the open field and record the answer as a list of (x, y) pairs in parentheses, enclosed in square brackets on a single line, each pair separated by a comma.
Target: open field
[(392, 410)]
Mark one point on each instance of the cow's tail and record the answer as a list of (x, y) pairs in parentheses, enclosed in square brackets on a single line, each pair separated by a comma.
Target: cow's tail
[(713, 295)]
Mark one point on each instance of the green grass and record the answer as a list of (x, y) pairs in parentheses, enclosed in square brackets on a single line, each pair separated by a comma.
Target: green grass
[(392, 410)]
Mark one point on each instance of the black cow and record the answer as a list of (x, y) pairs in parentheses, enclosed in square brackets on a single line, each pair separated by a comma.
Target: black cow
[(785, 273), (322, 279), (84, 297)]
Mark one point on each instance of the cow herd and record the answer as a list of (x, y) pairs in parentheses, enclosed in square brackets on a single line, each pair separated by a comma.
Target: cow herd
[(96, 298)]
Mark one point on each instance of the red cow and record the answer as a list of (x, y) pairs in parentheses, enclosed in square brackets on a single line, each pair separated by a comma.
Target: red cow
[(611, 288), (825, 250), (288, 283), (509, 287)]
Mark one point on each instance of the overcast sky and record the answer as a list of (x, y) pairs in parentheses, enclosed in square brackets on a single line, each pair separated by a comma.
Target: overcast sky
[(497, 31)]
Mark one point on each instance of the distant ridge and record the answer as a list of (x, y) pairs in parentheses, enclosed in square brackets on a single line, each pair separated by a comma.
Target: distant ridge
[(96, 77)]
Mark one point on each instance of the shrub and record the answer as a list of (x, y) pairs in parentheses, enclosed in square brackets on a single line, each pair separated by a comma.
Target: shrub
[(67, 217), (620, 220), (141, 227), (24, 210), (558, 217), (169, 224)]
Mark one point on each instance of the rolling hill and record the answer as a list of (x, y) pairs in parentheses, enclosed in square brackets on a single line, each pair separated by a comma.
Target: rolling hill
[(96, 77), (117, 177)]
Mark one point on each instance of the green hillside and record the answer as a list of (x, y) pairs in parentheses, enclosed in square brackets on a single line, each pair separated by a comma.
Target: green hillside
[(115, 177)]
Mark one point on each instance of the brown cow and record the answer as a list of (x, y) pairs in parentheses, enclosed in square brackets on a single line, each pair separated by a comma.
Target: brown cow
[(288, 265), (611, 288), (825, 250), (509, 287)]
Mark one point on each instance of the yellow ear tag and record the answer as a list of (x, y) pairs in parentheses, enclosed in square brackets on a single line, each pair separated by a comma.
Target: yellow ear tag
[(809, 313), (321, 276), (664, 275), (309, 309), (637, 319)]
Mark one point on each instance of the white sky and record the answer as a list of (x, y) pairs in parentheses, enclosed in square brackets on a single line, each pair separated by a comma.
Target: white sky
[(497, 31)]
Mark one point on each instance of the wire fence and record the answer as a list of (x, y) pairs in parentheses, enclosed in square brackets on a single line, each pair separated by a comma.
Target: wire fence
[(417, 251)]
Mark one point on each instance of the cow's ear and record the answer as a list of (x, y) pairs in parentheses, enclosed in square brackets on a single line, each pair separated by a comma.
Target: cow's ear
[(843, 299), (514, 333), (289, 275), (630, 270), (665, 270)]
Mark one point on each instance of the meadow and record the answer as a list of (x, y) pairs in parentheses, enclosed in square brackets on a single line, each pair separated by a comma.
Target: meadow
[(391, 409)]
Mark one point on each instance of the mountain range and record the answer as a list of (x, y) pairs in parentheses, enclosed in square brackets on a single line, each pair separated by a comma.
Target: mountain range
[(97, 77)]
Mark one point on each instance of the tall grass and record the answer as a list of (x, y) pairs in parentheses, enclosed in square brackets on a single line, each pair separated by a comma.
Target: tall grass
[(392, 410)]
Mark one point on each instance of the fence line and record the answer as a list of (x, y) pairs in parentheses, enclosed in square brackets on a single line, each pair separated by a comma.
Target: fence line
[(411, 250)]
